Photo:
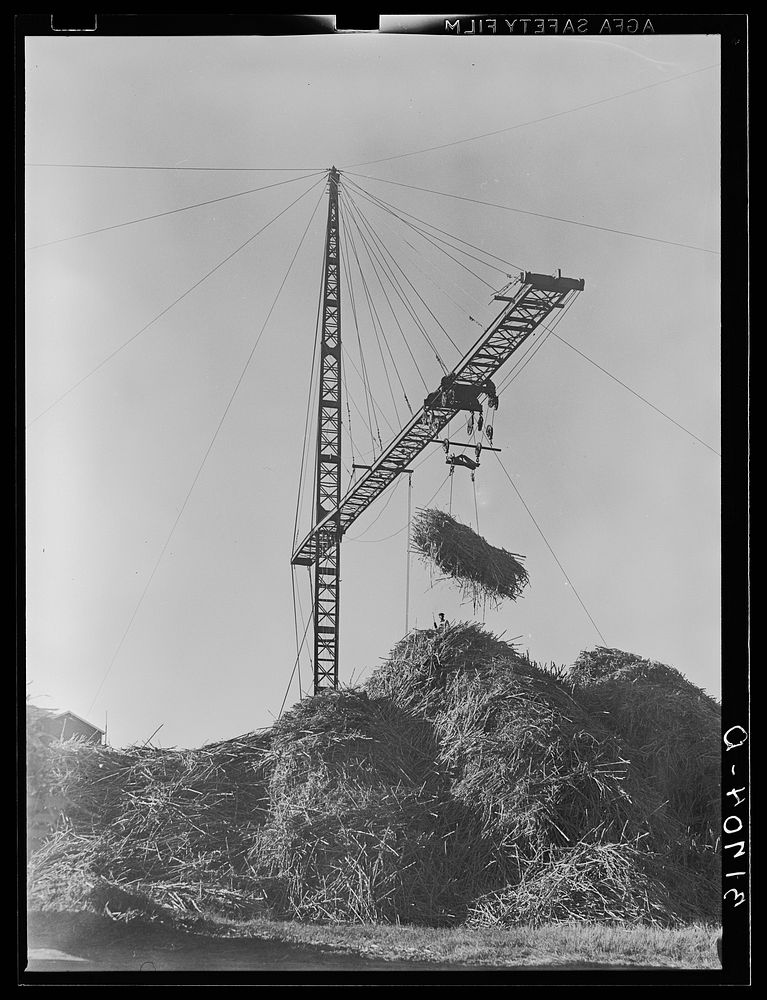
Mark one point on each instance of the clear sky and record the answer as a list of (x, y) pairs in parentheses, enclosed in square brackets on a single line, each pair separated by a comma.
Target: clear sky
[(627, 500)]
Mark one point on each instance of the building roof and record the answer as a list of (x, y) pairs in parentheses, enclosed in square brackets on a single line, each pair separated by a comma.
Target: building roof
[(65, 712)]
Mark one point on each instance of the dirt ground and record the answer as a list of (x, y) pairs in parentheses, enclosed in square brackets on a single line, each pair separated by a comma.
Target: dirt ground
[(59, 942)]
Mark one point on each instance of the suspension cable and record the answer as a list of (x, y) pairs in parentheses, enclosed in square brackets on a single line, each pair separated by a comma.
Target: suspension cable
[(375, 405), (376, 271), (407, 550), (303, 623), (159, 315), (374, 313), (435, 241), (348, 413), (635, 393), (539, 215), (295, 622), (135, 166), (372, 541), (201, 466), (550, 330), (400, 290), (295, 667), (399, 212), (537, 121), (373, 317), (551, 550), (442, 289), (365, 380), (172, 211), (385, 267), (304, 447), (428, 308)]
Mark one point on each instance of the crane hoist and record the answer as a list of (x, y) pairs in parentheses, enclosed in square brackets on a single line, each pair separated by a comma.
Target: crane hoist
[(464, 389)]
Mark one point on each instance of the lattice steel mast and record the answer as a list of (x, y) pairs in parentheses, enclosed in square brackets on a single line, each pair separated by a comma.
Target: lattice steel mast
[(327, 568)]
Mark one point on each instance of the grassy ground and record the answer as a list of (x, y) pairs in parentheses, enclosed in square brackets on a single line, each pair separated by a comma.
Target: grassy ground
[(94, 942), (691, 947)]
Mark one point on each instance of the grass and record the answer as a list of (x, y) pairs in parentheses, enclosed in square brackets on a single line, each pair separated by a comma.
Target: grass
[(559, 944)]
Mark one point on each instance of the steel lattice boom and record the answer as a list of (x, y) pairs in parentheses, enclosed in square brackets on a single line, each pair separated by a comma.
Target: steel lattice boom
[(327, 562), (538, 296)]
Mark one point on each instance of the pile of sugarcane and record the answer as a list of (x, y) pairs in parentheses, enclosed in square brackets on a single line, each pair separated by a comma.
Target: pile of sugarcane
[(593, 881), (170, 827), (643, 700), (463, 783), (364, 825), (482, 571)]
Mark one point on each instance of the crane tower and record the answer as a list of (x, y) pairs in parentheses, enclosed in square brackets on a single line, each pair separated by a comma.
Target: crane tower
[(327, 567), (521, 314)]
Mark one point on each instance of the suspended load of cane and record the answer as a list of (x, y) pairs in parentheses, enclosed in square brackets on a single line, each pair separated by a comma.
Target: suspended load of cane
[(481, 570)]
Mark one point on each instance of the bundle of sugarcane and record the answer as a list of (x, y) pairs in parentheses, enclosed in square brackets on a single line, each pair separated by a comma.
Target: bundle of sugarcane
[(482, 571)]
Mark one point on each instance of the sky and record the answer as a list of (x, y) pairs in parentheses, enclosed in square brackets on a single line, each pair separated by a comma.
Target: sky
[(169, 361)]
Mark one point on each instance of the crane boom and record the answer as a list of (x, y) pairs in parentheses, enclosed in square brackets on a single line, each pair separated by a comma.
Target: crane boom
[(538, 296)]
